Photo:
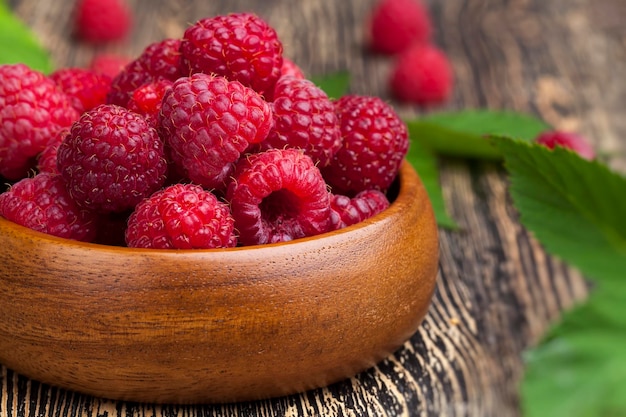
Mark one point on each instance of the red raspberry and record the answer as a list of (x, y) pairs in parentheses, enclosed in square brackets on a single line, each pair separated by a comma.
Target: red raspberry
[(47, 159), (422, 75), (43, 204), (305, 118), (100, 21), (86, 88), (278, 195), (238, 46), (346, 211), (111, 159), (396, 24), (567, 140), (291, 69), (375, 141), (146, 100), (181, 216), (159, 60), (32, 110), (109, 64), (208, 121)]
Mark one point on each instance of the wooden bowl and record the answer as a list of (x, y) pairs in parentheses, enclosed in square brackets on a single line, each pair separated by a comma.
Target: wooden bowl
[(207, 326)]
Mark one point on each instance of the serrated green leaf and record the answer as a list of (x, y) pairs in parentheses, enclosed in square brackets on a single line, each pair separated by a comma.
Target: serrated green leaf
[(425, 163), (464, 133), (19, 45), (573, 206), (334, 85)]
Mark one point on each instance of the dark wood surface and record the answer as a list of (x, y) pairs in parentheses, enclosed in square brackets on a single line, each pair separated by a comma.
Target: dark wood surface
[(563, 60)]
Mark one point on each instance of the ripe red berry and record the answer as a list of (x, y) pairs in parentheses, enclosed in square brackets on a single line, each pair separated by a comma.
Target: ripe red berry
[(238, 46), (159, 60), (43, 204), (109, 64), (422, 75), (374, 143), (394, 25), (568, 140), (278, 195), (111, 159), (100, 21), (181, 216), (86, 88), (47, 159), (305, 118), (346, 211), (207, 122), (291, 69), (146, 100), (32, 110)]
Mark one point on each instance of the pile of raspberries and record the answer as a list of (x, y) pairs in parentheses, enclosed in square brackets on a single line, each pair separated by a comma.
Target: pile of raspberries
[(212, 140)]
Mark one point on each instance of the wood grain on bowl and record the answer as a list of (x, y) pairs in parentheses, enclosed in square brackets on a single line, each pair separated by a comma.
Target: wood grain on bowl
[(217, 325)]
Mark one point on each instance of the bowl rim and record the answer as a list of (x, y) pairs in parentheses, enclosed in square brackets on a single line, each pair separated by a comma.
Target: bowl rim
[(395, 206)]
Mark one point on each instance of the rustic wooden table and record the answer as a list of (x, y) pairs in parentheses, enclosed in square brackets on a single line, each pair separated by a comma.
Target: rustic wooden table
[(563, 60)]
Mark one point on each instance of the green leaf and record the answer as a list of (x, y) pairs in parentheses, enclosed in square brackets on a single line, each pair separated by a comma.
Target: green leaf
[(425, 163), (576, 208), (19, 45), (334, 85), (464, 133)]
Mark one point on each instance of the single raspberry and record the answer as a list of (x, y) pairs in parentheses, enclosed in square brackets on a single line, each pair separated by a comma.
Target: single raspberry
[(146, 100), (346, 211), (181, 216), (305, 118), (47, 159), (43, 204), (86, 88), (100, 21), (159, 60), (238, 46), (278, 195), (394, 25), (291, 69), (32, 110), (109, 64), (111, 159), (208, 121), (422, 75), (375, 141), (569, 140)]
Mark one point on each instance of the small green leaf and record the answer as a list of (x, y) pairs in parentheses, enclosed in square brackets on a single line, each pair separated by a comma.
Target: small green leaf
[(573, 206), (334, 85), (19, 45), (464, 134), (425, 163)]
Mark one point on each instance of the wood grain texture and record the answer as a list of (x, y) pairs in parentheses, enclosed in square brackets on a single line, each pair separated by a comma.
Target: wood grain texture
[(497, 291)]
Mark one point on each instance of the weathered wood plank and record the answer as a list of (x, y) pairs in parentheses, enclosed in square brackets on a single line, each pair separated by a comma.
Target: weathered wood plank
[(563, 60)]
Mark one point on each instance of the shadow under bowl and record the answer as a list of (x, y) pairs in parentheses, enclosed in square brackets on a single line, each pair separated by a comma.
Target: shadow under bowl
[(221, 325)]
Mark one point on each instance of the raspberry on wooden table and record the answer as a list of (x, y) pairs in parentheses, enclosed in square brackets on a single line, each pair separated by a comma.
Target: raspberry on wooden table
[(375, 141), (422, 75), (100, 21), (305, 118), (181, 216), (42, 203), (238, 46), (346, 211), (111, 159), (86, 88), (208, 121), (159, 60), (32, 110), (278, 195), (394, 25)]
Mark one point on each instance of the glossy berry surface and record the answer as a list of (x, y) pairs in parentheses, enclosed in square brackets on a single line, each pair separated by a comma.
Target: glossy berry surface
[(181, 216), (278, 195), (86, 88), (346, 211)]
